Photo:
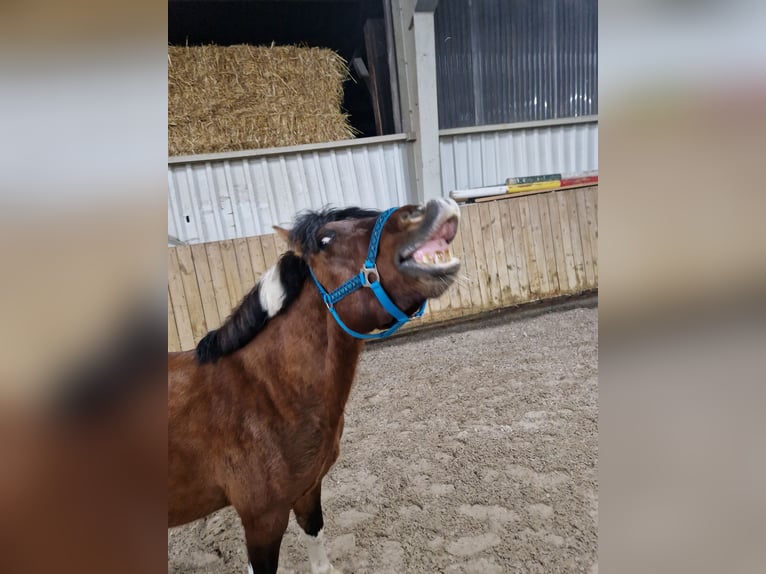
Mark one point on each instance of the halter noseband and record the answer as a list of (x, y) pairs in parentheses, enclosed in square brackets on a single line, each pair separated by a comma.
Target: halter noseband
[(363, 279)]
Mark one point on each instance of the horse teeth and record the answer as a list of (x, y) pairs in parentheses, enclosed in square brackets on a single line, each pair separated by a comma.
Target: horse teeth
[(427, 259), (438, 257)]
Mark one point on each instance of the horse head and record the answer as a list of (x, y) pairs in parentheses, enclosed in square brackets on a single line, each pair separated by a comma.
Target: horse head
[(412, 259)]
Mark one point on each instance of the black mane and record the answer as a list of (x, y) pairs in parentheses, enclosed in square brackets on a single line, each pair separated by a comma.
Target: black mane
[(305, 231), (247, 320)]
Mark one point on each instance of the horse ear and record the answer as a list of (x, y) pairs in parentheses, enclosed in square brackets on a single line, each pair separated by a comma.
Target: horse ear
[(285, 235), (282, 232)]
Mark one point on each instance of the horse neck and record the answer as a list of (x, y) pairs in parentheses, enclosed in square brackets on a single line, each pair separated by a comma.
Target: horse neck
[(312, 348), (342, 358)]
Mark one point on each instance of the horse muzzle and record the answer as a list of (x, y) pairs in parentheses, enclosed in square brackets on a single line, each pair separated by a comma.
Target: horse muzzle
[(429, 252)]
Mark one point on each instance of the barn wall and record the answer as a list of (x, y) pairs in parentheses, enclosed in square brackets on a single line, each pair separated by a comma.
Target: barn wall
[(225, 196), (515, 250), (503, 61), (480, 158)]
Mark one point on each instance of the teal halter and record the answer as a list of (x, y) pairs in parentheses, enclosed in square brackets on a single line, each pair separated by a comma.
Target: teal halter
[(369, 270)]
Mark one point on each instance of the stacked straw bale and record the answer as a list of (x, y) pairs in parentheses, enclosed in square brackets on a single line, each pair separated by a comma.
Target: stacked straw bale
[(228, 98)]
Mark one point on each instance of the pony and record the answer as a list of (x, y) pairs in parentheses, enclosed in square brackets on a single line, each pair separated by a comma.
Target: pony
[(255, 412)]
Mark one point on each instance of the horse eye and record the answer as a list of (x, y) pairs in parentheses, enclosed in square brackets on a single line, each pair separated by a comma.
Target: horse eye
[(326, 239)]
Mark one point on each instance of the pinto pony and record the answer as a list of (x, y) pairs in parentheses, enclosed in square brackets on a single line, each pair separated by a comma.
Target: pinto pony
[(255, 413)]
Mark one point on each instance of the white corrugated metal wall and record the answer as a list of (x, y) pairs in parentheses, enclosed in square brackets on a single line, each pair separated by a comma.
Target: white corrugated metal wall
[(474, 157), (223, 196)]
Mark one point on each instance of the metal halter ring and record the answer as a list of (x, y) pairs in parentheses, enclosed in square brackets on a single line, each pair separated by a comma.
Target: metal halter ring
[(367, 272)]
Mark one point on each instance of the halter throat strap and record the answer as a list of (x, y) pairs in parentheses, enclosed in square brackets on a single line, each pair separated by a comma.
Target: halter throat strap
[(370, 278)]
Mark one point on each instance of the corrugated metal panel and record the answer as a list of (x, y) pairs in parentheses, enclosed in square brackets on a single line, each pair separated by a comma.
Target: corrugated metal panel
[(505, 61), (220, 198), (484, 158)]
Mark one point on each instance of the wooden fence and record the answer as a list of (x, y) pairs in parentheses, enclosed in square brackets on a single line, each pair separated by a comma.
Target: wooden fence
[(513, 251)]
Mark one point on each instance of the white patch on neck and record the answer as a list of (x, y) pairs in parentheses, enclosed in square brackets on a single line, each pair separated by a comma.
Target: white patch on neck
[(320, 563), (249, 568), (271, 293)]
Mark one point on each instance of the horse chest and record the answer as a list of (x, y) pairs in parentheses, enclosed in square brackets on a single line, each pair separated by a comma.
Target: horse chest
[(316, 450)]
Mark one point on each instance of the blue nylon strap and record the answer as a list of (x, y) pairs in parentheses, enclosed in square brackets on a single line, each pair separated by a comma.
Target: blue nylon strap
[(386, 302), (372, 252), (359, 281), (390, 331), (346, 289)]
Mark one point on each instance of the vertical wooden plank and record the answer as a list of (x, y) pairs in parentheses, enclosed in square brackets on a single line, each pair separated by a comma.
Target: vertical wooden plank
[(514, 208), (269, 249), (231, 270), (566, 242), (582, 216), (591, 199), (488, 247), (477, 245), (562, 280), (574, 230), (514, 287), (445, 304), (218, 277), (539, 245), (435, 306), (375, 42), (173, 342), (530, 256), (256, 257), (429, 312), (244, 263), (205, 284), (550, 251), (471, 273), (178, 302), (500, 257), (458, 248), (191, 291), (455, 305)]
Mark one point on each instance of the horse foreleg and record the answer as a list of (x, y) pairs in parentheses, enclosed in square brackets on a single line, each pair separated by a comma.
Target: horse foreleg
[(263, 535), (308, 513)]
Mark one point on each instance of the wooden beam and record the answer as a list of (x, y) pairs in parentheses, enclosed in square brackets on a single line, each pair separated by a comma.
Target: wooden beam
[(393, 72), (380, 81)]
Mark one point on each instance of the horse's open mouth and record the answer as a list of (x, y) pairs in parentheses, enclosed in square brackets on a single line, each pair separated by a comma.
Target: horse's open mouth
[(433, 254)]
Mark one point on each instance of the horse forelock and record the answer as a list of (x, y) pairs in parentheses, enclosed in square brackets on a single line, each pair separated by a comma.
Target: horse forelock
[(275, 291), (305, 231)]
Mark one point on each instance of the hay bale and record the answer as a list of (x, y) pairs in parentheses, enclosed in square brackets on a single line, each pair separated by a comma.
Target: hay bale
[(228, 98)]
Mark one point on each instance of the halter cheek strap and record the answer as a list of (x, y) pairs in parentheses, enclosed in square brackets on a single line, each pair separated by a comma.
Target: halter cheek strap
[(368, 277)]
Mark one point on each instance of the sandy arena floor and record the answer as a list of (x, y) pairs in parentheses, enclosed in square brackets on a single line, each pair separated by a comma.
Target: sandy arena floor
[(467, 449)]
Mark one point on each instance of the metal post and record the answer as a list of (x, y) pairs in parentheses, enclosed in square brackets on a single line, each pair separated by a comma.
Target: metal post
[(426, 108), (416, 58)]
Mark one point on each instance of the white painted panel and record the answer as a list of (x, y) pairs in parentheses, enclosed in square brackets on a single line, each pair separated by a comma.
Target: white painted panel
[(480, 159), (237, 196)]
